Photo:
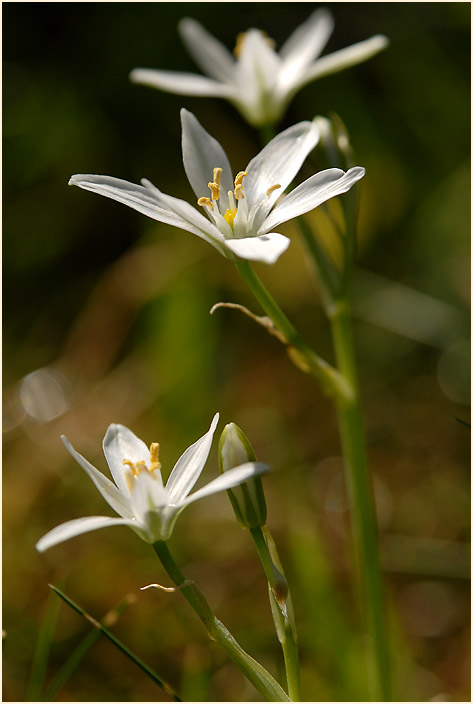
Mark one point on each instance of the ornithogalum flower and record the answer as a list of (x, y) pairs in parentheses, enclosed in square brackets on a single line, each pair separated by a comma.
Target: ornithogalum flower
[(259, 81), (238, 214), (139, 495)]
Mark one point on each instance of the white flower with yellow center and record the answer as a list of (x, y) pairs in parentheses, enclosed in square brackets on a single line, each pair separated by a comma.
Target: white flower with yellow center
[(138, 493), (238, 215), (259, 81)]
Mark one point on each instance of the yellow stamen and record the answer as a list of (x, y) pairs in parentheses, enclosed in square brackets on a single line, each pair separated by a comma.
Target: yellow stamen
[(239, 44), (154, 457), (205, 201), (239, 178), (215, 190), (129, 481), (239, 195), (273, 188), (230, 215), (241, 38), (217, 174)]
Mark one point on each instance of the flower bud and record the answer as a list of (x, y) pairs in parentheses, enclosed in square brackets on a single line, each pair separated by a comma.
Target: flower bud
[(247, 499), (335, 140)]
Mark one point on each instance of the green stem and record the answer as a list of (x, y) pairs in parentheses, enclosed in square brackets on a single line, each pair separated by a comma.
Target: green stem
[(284, 622), (255, 673), (78, 654), (363, 514), (332, 382), (121, 646)]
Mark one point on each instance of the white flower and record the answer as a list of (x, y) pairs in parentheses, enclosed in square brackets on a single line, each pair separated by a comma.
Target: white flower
[(238, 215), (259, 82), (138, 494)]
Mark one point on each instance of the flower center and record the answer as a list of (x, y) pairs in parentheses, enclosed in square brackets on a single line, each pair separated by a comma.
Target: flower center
[(137, 467), (237, 194)]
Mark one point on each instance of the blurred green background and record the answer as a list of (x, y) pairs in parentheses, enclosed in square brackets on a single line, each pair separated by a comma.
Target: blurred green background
[(106, 319)]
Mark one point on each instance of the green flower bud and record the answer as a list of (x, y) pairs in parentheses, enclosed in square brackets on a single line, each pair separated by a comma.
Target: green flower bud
[(247, 499)]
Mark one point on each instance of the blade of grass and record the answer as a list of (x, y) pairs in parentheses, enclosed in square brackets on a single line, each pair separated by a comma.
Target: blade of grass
[(83, 648), (41, 654), (121, 646)]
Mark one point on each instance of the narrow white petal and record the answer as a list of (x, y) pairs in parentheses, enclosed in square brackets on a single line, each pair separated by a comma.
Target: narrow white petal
[(201, 153), (181, 83), (305, 44), (313, 192), (195, 222), (350, 56), (208, 53), (227, 480), (190, 465), (277, 163), (114, 497), (140, 198), (78, 526), (149, 200), (265, 248), (119, 444), (257, 68)]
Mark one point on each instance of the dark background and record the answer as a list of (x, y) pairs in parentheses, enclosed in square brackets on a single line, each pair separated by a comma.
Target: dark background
[(106, 320)]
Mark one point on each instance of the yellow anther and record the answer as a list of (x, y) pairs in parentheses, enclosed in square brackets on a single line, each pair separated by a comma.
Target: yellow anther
[(239, 178), (241, 38), (205, 201), (136, 467), (239, 44), (230, 215), (273, 188), (215, 190), (239, 195), (154, 457), (217, 174)]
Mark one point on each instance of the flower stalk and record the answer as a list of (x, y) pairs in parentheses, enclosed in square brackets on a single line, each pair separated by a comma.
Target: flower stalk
[(363, 513), (259, 677), (281, 607), (332, 382)]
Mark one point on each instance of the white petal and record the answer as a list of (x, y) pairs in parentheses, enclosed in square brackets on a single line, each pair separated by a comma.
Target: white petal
[(190, 465), (146, 199), (313, 192), (181, 83), (119, 444), (305, 44), (201, 153), (344, 58), (265, 248), (229, 479), (256, 72), (78, 526), (212, 57), (140, 198), (116, 499), (277, 163)]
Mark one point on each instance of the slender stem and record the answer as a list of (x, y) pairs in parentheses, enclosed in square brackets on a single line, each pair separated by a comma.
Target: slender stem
[(363, 514), (283, 621), (121, 646), (263, 554), (331, 381), (82, 649), (267, 132), (256, 673)]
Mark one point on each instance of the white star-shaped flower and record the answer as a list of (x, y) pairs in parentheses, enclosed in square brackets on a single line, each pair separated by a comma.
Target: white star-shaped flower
[(238, 215), (259, 81), (138, 493)]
